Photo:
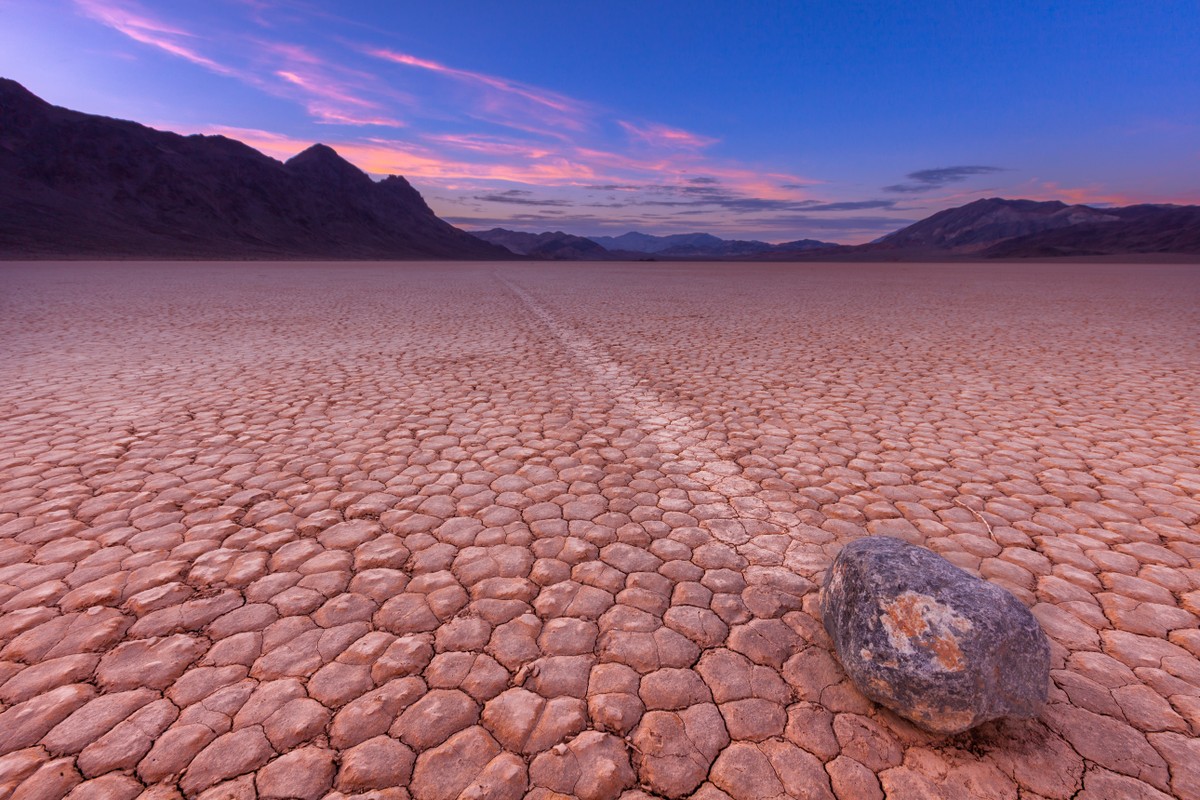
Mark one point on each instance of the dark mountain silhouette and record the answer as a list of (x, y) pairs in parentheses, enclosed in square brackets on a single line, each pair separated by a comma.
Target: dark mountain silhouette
[(999, 228), (982, 223), (553, 245), (696, 245), (804, 244), (80, 185), (1138, 229), (636, 242), (83, 186)]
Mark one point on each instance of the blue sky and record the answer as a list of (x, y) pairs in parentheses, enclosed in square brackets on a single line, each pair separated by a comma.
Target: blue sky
[(838, 121)]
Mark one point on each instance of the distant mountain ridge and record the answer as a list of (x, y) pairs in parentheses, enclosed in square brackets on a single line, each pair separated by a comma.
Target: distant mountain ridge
[(1137, 230), (982, 223), (633, 246), (553, 245), (81, 185), (647, 243), (702, 245), (78, 185), (1001, 228)]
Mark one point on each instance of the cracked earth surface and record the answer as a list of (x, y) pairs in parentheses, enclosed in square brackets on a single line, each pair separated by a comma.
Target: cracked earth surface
[(441, 531)]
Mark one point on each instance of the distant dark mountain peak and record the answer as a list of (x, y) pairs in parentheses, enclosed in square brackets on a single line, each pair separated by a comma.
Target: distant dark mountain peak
[(13, 93), (980, 224), (637, 242), (323, 162), (696, 245), (553, 245)]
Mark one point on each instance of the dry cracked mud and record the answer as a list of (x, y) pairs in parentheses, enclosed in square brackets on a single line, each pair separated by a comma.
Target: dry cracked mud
[(441, 531)]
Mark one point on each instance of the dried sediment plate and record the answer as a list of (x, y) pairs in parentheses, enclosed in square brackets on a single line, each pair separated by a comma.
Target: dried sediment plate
[(443, 530)]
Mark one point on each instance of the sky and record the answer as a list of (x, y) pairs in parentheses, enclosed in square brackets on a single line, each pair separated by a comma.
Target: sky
[(840, 121)]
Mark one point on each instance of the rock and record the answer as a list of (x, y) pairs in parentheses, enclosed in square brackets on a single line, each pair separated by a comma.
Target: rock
[(930, 641)]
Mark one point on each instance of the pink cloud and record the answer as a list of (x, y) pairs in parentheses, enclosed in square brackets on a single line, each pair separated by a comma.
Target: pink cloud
[(508, 102), (332, 92), (554, 141), (663, 136), (482, 158), (489, 145), (148, 31), (331, 102), (1079, 195), (549, 99), (325, 89), (326, 98), (390, 157)]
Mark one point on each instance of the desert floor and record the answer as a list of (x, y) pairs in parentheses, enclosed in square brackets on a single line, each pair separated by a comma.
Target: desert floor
[(506, 530)]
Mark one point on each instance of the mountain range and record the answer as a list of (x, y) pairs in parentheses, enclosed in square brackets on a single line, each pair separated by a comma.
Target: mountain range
[(998, 228), (78, 185), (552, 245), (702, 245), (634, 246)]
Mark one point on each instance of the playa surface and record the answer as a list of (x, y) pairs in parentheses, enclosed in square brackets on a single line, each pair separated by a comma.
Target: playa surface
[(507, 530)]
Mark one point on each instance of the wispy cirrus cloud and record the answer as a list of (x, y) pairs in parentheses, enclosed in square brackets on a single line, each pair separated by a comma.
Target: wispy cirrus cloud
[(551, 135), (330, 101), (381, 156), (330, 92), (506, 100), (491, 146), (926, 180), (708, 192), (663, 135), (145, 29), (520, 197), (471, 135)]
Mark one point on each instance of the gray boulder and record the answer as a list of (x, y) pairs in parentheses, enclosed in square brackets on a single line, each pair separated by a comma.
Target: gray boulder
[(932, 642)]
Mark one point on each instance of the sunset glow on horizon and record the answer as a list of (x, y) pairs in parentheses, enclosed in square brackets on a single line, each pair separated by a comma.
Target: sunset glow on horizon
[(763, 121)]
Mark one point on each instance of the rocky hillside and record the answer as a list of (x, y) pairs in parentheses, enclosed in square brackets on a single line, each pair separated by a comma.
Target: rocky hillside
[(79, 185), (999, 228), (1137, 230), (980, 224)]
